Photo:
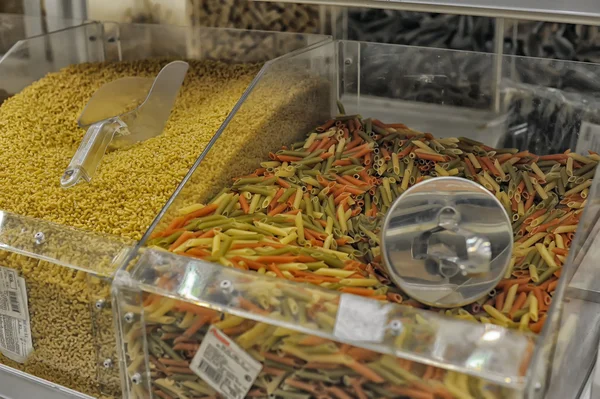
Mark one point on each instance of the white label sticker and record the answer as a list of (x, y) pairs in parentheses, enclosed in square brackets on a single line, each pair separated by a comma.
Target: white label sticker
[(15, 332), (361, 319), (589, 138), (224, 365), (10, 301)]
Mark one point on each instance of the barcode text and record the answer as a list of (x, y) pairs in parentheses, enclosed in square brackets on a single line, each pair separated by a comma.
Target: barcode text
[(14, 302), (215, 375)]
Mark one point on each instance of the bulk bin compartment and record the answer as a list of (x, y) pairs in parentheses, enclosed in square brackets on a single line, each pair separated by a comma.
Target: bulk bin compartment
[(296, 318), (67, 243)]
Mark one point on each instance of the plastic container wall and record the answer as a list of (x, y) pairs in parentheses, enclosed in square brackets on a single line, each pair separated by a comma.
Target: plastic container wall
[(28, 60), (550, 103), (68, 271), (227, 45), (162, 296), (15, 27), (345, 323), (67, 277)]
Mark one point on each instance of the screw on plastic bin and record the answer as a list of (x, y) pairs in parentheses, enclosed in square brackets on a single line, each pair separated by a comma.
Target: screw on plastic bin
[(537, 386), (226, 286), (129, 317), (39, 237), (396, 326), (100, 304), (136, 378), (107, 363), (348, 61)]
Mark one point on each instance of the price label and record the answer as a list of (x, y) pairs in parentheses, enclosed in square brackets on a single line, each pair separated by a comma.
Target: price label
[(15, 327), (223, 365), (10, 297)]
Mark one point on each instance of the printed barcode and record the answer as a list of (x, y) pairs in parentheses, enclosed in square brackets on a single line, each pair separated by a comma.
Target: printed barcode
[(14, 302), (211, 372)]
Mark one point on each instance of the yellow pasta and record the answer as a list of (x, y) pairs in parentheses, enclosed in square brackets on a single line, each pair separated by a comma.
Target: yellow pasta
[(300, 227), (254, 203), (532, 240), (166, 304), (250, 337), (492, 311), (359, 282), (510, 298), (229, 321), (533, 308), (334, 272), (549, 259), (298, 201)]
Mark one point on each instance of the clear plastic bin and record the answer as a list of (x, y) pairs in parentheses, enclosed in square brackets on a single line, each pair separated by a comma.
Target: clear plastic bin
[(68, 271), (165, 302), (15, 27)]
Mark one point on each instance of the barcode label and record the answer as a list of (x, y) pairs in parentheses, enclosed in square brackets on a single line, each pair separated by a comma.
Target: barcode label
[(589, 138), (211, 372), (224, 365), (15, 327), (14, 302)]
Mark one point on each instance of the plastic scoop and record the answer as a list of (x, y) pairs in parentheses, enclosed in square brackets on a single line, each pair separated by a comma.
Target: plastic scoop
[(122, 113)]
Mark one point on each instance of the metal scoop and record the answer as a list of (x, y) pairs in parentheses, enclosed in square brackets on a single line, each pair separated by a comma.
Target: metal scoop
[(447, 242), (122, 113)]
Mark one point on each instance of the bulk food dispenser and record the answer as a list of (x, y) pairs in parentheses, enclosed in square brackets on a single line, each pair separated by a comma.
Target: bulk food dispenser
[(61, 246), (271, 275)]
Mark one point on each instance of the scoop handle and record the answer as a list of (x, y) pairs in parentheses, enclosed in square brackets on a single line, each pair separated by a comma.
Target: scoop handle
[(477, 257), (84, 163)]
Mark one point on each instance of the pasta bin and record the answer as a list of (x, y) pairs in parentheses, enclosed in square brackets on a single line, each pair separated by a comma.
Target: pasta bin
[(61, 327), (190, 327)]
